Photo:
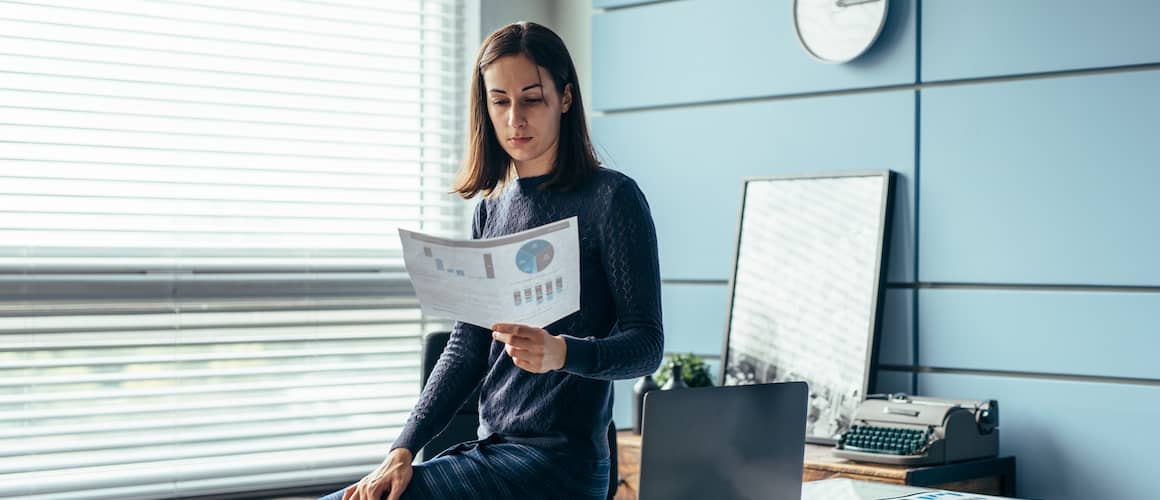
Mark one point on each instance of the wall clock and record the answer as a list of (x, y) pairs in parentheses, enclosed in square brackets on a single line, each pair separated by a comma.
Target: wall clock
[(837, 31)]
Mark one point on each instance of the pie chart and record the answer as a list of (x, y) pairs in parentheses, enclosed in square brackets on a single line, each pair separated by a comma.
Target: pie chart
[(534, 256)]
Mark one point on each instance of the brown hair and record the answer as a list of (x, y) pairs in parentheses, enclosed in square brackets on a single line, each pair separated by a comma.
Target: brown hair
[(485, 164)]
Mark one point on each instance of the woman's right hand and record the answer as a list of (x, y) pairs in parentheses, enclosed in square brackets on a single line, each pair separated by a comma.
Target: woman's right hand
[(391, 476)]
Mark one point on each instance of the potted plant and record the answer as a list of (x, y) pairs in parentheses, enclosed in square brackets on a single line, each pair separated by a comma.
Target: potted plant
[(694, 370)]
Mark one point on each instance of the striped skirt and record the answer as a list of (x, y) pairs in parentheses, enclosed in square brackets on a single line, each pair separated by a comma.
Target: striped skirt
[(493, 469)]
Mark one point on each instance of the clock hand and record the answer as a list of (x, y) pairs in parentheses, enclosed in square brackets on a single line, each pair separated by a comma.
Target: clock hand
[(848, 3)]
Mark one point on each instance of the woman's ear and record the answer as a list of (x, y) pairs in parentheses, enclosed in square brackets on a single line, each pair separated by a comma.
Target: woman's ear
[(566, 102)]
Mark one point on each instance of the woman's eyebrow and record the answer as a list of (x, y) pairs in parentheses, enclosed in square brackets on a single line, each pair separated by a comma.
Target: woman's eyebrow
[(525, 89)]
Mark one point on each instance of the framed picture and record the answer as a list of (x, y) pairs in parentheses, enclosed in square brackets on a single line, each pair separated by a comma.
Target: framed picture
[(806, 290)]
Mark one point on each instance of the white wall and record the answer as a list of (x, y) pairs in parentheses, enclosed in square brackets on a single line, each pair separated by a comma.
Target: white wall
[(497, 13), (572, 20)]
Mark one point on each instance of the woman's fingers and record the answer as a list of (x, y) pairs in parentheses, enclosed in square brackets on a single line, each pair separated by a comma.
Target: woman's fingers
[(528, 365), (520, 336), (513, 350), (529, 359), (396, 490), (399, 482), (513, 328), (365, 491), (525, 339), (391, 477), (510, 339), (529, 346)]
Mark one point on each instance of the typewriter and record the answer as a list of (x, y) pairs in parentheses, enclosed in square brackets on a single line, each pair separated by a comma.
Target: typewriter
[(914, 430)]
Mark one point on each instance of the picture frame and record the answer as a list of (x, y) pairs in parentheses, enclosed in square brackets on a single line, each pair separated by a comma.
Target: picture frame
[(806, 289)]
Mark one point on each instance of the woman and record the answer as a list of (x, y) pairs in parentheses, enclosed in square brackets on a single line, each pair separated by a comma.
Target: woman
[(546, 397)]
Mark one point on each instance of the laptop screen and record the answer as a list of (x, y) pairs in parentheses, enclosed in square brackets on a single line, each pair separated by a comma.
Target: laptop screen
[(734, 442)]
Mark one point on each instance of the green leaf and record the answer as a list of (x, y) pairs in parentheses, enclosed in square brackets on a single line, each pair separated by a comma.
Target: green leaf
[(694, 371)]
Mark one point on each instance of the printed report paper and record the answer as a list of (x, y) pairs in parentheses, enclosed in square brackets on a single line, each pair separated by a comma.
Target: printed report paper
[(531, 277)]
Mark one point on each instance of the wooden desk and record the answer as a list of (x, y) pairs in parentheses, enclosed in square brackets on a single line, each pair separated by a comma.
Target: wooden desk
[(990, 476)]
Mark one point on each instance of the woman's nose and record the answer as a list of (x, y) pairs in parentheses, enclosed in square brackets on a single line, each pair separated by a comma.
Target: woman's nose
[(516, 117)]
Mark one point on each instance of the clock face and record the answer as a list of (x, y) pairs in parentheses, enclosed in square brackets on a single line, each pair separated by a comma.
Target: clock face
[(836, 31)]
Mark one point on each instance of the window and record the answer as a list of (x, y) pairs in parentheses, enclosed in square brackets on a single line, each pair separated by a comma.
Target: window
[(201, 286)]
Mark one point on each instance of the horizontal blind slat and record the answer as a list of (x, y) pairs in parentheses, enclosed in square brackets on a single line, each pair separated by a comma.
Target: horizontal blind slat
[(311, 10), (192, 320), (198, 450), (211, 389), (387, 171), (392, 71), (181, 433), (402, 107), (21, 17), (176, 375), (235, 146), (99, 418), (96, 96), (131, 124), (222, 336), (185, 358), (130, 12), (182, 157), (156, 478), (144, 418)]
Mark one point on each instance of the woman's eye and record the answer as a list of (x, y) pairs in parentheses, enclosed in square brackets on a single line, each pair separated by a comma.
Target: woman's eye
[(499, 103), (533, 100)]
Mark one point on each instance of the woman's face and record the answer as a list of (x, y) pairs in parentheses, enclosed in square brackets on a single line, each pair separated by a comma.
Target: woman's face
[(525, 108)]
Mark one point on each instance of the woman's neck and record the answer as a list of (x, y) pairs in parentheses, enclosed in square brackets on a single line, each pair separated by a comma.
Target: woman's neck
[(526, 170), (529, 169), (540, 165)]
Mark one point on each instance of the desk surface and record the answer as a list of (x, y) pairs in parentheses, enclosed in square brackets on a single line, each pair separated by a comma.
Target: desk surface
[(991, 476), (850, 489)]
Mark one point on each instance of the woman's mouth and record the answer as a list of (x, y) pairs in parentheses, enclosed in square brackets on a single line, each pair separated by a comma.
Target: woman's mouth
[(520, 140)]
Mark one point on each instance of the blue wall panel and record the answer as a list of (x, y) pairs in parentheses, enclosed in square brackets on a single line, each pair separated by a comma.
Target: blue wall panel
[(1071, 440), (694, 318), (622, 403), (690, 163), (1084, 333), (712, 50), (1047, 181), (890, 381), (608, 4), (979, 38), (896, 347)]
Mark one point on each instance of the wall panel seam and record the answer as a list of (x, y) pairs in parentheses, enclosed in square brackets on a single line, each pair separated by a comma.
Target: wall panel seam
[(1065, 377), (886, 88)]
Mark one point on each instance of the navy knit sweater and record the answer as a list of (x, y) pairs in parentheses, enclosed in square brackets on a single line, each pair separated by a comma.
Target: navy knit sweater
[(616, 334)]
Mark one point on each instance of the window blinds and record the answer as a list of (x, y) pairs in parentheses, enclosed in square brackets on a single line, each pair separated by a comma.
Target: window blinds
[(201, 286)]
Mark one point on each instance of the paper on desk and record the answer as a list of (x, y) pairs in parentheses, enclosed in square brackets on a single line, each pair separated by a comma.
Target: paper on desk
[(530, 277), (849, 489)]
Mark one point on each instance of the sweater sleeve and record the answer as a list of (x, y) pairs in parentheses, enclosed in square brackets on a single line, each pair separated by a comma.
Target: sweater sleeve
[(629, 252), (458, 371)]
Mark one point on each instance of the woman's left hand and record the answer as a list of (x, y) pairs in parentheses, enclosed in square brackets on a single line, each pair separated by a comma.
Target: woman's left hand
[(532, 349)]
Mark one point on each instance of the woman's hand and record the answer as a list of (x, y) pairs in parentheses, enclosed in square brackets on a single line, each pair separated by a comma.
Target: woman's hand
[(532, 349), (392, 476)]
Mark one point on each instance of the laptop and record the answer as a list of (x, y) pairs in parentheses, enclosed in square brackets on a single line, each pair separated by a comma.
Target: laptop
[(734, 442)]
